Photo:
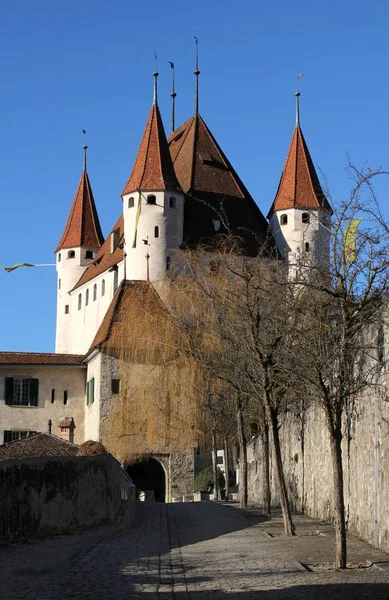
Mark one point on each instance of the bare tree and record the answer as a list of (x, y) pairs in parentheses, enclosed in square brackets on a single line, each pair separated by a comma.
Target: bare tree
[(340, 312)]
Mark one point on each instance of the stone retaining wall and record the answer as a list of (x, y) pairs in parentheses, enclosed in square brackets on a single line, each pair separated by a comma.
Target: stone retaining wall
[(308, 468), (44, 496)]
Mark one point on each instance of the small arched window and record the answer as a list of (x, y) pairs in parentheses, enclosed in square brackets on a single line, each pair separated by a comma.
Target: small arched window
[(156, 231), (59, 257), (71, 254), (284, 219), (131, 202), (103, 287), (151, 199), (172, 202), (305, 218), (94, 292), (306, 246), (86, 297), (79, 301)]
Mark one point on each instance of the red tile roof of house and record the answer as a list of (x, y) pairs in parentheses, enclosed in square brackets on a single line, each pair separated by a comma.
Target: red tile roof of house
[(104, 259), (153, 169), (39, 358), (213, 189), (36, 445), (83, 226), (299, 186)]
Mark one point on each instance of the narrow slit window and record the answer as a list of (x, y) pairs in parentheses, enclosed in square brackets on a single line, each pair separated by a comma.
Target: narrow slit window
[(86, 297), (103, 287), (94, 292), (52, 396), (59, 257), (59, 284), (172, 202), (306, 246), (66, 309), (115, 386), (167, 263), (65, 397), (131, 202), (79, 301), (156, 231)]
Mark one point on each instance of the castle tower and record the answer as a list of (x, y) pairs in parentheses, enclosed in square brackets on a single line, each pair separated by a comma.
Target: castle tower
[(153, 205), (79, 243), (300, 215)]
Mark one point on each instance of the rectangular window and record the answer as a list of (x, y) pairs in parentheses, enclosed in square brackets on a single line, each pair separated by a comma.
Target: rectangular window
[(115, 386), (66, 309), (90, 391), (21, 392), (52, 396), (65, 397), (12, 436)]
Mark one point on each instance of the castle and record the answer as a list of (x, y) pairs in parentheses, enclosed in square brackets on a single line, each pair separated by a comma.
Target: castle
[(181, 192)]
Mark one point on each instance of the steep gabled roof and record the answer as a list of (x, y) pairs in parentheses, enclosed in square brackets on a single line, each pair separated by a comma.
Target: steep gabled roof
[(299, 186), (135, 323), (83, 225), (153, 169), (213, 189), (104, 259), (35, 445)]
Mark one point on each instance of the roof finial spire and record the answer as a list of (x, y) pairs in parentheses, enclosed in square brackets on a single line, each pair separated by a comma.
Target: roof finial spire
[(155, 75), (197, 73), (297, 94), (173, 97), (85, 147)]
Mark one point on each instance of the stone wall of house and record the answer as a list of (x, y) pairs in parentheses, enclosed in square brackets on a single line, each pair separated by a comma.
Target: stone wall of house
[(45, 496), (308, 468), (182, 469)]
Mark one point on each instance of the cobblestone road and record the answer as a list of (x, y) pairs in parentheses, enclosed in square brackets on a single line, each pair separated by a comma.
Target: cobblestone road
[(201, 551)]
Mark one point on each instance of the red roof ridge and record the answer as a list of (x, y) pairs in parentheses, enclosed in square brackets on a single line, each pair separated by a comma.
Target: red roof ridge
[(39, 358), (153, 168), (83, 226)]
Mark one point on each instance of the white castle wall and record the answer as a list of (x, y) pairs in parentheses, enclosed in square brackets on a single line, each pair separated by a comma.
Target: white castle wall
[(291, 238), (84, 322), (168, 219)]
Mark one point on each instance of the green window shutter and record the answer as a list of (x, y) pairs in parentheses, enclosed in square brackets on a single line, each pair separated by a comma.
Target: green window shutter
[(87, 393), (34, 390), (7, 437), (92, 394), (9, 390)]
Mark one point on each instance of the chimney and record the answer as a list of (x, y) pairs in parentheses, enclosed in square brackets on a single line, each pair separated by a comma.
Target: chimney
[(66, 429)]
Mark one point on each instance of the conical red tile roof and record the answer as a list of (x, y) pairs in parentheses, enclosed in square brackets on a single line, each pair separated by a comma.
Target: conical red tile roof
[(83, 225), (153, 169), (299, 186)]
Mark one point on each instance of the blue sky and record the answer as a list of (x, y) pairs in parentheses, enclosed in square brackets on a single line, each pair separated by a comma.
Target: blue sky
[(88, 64)]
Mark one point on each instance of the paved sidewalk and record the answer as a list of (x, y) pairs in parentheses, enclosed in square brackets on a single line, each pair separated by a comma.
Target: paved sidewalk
[(201, 551)]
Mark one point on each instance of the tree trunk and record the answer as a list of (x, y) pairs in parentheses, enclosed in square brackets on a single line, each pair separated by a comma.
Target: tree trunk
[(242, 458), (338, 493), (279, 470), (226, 465), (266, 495), (214, 466)]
